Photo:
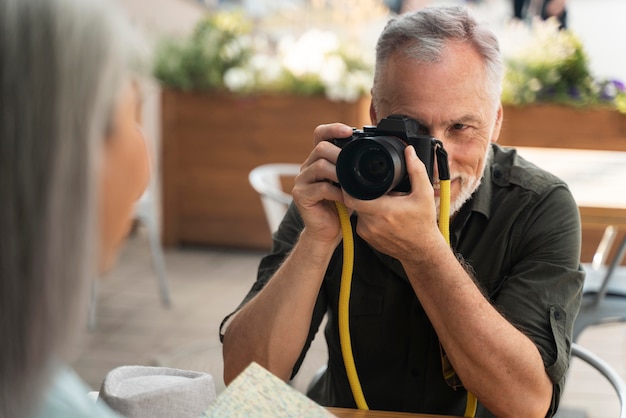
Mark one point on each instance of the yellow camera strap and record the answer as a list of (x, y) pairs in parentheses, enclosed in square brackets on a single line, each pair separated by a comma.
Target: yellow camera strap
[(346, 285), (344, 305)]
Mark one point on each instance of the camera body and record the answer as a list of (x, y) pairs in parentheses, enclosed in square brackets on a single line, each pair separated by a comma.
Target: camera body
[(371, 162)]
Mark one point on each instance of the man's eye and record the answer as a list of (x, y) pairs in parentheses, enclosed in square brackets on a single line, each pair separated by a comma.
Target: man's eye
[(459, 126)]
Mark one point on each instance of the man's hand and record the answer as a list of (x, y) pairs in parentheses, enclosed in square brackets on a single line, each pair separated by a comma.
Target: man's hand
[(273, 327), (402, 226), (314, 192)]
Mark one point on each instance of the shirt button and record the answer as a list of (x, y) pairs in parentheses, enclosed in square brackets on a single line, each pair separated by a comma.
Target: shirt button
[(557, 315)]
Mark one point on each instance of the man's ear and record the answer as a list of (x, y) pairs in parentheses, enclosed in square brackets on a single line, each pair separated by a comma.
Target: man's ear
[(373, 116), (498, 124)]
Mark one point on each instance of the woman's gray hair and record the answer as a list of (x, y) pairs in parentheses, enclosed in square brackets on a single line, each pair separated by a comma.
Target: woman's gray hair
[(62, 67), (422, 35)]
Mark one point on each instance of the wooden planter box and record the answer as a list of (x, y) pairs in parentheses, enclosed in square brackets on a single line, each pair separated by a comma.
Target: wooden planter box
[(552, 126), (210, 142)]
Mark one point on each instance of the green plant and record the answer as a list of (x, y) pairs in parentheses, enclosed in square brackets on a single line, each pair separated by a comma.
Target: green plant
[(224, 53), (550, 65), (219, 42)]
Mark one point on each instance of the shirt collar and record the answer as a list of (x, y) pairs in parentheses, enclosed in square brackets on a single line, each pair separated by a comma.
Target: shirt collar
[(481, 198)]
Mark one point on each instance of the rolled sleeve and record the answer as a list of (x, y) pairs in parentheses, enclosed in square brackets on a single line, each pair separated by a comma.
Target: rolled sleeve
[(283, 241), (541, 295)]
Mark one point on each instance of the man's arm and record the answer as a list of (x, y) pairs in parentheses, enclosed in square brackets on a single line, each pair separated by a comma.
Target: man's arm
[(272, 328), (500, 365)]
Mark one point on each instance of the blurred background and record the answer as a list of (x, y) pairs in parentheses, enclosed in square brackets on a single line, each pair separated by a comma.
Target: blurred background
[(215, 116)]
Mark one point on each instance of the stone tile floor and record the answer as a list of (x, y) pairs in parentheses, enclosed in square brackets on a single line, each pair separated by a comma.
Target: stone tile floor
[(206, 284), (132, 327)]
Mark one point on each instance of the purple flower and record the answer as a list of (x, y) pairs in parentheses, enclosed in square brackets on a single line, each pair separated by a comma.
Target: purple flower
[(610, 89), (573, 92), (618, 85)]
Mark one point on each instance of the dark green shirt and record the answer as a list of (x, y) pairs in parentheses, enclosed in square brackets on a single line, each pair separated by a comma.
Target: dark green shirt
[(519, 234)]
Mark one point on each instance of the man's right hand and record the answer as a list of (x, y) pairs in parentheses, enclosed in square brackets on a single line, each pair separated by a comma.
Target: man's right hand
[(272, 329), (314, 192)]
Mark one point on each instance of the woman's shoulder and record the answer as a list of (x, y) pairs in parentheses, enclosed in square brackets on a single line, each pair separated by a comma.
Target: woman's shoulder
[(67, 397)]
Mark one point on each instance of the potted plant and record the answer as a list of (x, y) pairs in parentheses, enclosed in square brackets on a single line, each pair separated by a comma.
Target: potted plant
[(551, 98), (235, 96)]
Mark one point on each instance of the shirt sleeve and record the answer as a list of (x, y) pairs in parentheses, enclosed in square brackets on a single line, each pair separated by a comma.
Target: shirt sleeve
[(283, 242), (546, 271), (67, 398)]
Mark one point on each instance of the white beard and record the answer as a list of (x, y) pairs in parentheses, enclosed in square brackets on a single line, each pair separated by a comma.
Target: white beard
[(468, 186)]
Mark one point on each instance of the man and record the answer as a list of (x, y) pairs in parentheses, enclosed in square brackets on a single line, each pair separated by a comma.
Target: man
[(500, 304)]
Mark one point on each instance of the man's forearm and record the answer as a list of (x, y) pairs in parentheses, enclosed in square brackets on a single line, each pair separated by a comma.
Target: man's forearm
[(494, 360), (272, 328)]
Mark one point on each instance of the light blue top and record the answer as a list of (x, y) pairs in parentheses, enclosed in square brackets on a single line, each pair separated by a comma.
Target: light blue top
[(67, 398)]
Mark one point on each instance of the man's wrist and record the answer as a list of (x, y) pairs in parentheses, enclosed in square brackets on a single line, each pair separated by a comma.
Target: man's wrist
[(318, 241)]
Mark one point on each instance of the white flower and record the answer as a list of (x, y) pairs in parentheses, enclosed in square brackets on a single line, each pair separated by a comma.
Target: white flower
[(534, 85), (352, 86), (333, 69), (252, 58), (316, 55), (233, 49), (307, 54), (239, 79), (541, 43), (318, 42), (268, 70)]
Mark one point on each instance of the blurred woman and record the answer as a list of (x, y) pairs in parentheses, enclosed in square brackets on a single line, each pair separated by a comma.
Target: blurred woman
[(72, 164)]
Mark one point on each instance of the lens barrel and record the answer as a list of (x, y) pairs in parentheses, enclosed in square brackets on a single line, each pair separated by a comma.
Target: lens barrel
[(370, 167)]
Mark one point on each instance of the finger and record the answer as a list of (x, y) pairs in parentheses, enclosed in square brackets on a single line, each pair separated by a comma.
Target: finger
[(416, 169), (323, 151), (319, 169), (313, 193), (331, 131)]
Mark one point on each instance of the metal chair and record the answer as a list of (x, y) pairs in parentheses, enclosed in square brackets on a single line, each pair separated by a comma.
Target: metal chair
[(577, 351), (606, 370), (604, 291), (266, 180)]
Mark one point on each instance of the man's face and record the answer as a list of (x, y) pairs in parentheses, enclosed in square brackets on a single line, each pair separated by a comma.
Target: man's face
[(451, 101)]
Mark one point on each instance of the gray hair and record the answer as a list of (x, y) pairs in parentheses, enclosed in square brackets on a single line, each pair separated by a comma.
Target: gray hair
[(62, 67), (422, 36)]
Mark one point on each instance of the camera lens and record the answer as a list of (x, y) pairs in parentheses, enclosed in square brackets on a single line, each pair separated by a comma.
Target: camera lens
[(368, 168), (373, 165)]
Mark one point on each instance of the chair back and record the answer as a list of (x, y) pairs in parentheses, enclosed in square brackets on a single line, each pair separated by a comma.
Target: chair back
[(604, 291), (611, 271), (606, 370), (266, 180)]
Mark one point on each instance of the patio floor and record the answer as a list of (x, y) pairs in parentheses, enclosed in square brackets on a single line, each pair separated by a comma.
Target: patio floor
[(206, 284)]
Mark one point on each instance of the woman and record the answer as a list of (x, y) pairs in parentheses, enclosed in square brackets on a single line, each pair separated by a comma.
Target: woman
[(72, 164)]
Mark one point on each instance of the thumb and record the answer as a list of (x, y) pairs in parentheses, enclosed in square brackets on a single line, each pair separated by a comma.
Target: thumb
[(416, 170)]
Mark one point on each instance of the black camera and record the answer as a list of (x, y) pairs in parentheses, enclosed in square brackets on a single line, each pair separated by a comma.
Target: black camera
[(371, 162)]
